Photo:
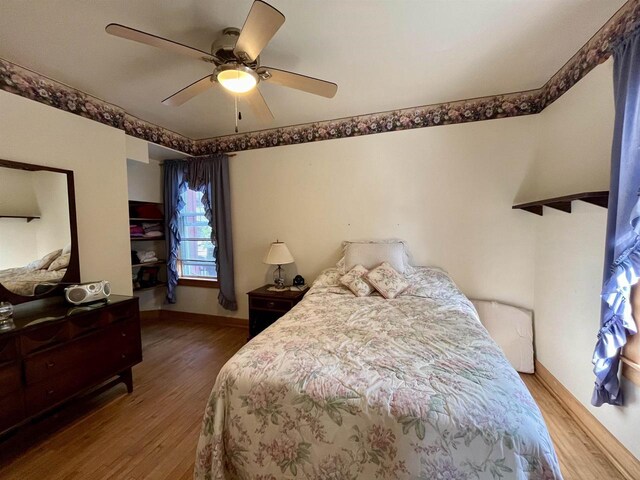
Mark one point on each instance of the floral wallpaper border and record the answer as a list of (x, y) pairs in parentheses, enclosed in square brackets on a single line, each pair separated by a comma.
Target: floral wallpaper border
[(29, 84)]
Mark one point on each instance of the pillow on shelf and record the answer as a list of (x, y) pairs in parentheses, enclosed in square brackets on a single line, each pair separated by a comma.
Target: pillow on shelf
[(370, 254), (59, 263), (386, 280), (44, 262), (355, 281)]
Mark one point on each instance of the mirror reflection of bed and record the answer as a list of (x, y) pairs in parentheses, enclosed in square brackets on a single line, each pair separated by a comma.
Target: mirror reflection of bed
[(35, 231)]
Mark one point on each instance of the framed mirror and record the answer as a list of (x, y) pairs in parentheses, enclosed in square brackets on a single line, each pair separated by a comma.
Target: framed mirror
[(38, 232)]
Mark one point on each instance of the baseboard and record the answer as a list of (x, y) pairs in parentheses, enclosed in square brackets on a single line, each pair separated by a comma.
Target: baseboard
[(195, 317), (150, 315), (616, 453)]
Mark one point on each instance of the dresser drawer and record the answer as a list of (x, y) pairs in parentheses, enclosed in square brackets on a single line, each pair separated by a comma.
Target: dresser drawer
[(46, 394), (74, 355), (11, 410), (271, 304), (44, 337), (85, 324), (10, 380), (121, 312), (8, 349), (126, 349)]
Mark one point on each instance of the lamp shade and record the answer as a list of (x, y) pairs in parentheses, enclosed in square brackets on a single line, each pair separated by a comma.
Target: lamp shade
[(278, 254)]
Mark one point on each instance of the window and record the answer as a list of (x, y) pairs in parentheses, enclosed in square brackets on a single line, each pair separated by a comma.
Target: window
[(195, 255)]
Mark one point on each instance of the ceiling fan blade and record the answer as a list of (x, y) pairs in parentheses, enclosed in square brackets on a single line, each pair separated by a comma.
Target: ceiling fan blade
[(261, 25), (155, 41), (188, 92), (256, 101), (299, 82)]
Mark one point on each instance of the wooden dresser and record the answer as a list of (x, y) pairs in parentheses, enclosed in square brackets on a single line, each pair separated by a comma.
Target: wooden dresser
[(57, 351)]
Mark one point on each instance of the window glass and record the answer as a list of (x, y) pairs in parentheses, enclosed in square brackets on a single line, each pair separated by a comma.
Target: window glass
[(195, 255)]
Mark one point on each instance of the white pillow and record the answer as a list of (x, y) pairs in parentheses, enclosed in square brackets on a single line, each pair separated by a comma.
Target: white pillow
[(372, 254), (44, 262), (66, 249), (512, 329)]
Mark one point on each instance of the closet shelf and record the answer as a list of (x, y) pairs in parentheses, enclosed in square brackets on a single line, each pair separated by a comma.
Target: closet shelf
[(157, 285), (26, 217), (601, 199), (146, 239), (148, 264)]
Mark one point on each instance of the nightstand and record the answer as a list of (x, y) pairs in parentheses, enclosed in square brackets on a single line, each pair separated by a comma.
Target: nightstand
[(265, 307)]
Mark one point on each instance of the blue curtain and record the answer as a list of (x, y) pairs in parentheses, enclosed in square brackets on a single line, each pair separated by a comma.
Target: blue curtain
[(173, 187), (209, 175), (622, 254)]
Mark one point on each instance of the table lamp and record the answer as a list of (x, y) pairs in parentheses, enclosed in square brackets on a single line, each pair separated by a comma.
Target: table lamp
[(279, 255)]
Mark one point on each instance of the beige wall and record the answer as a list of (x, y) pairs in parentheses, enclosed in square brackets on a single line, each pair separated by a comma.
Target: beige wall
[(54, 228), (18, 241), (34, 133), (447, 191), (573, 156)]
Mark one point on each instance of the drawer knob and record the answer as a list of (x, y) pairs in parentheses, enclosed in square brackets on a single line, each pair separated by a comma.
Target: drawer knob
[(51, 364), (123, 334), (50, 392), (124, 356), (271, 304)]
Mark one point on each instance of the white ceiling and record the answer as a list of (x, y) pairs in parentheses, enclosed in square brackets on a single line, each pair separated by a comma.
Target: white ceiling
[(384, 54)]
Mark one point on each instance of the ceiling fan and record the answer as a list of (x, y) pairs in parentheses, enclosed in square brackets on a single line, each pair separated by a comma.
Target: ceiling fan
[(236, 59)]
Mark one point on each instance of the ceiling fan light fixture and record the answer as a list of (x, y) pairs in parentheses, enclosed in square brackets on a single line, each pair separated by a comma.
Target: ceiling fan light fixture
[(237, 78)]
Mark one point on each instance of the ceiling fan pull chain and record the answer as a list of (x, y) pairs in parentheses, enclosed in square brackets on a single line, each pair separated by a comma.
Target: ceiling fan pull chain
[(236, 102)]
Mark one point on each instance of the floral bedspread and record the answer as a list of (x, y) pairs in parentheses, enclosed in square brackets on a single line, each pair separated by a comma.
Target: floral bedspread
[(346, 387)]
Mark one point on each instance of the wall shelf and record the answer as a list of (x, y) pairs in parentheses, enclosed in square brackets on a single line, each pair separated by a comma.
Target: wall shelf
[(148, 264), (153, 287), (26, 217), (146, 239), (601, 199)]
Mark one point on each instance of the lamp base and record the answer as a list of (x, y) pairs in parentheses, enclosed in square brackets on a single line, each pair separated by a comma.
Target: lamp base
[(275, 288), (278, 278)]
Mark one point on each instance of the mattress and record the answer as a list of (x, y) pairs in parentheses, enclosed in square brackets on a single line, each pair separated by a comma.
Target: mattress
[(344, 387)]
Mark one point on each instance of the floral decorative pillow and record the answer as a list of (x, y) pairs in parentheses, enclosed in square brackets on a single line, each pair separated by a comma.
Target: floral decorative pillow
[(329, 277), (355, 281), (59, 263), (44, 262), (386, 280)]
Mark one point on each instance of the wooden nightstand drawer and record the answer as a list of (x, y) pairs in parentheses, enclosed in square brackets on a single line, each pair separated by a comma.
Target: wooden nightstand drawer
[(267, 306), (270, 304)]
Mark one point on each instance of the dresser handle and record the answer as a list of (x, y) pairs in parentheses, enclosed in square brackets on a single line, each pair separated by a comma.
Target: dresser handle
[(271, 304), (124, 356), (50, 392), (51, 364), (123, 334)]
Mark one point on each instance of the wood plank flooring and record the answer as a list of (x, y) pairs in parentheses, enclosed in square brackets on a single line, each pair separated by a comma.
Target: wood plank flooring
[(152, 433)]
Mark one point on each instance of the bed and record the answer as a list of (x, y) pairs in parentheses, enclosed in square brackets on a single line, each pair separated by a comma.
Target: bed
[(39, 275), (346, 387), (27, 281)]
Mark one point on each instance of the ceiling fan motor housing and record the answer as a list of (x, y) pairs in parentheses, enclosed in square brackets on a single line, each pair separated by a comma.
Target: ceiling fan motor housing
[(222, 48)]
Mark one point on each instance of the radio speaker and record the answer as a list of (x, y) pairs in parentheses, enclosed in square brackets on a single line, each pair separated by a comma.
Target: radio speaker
[(87, 292)]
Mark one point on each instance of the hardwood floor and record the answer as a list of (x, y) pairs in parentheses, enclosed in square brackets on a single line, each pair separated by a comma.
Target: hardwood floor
[(580, 458), (152, 433)]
